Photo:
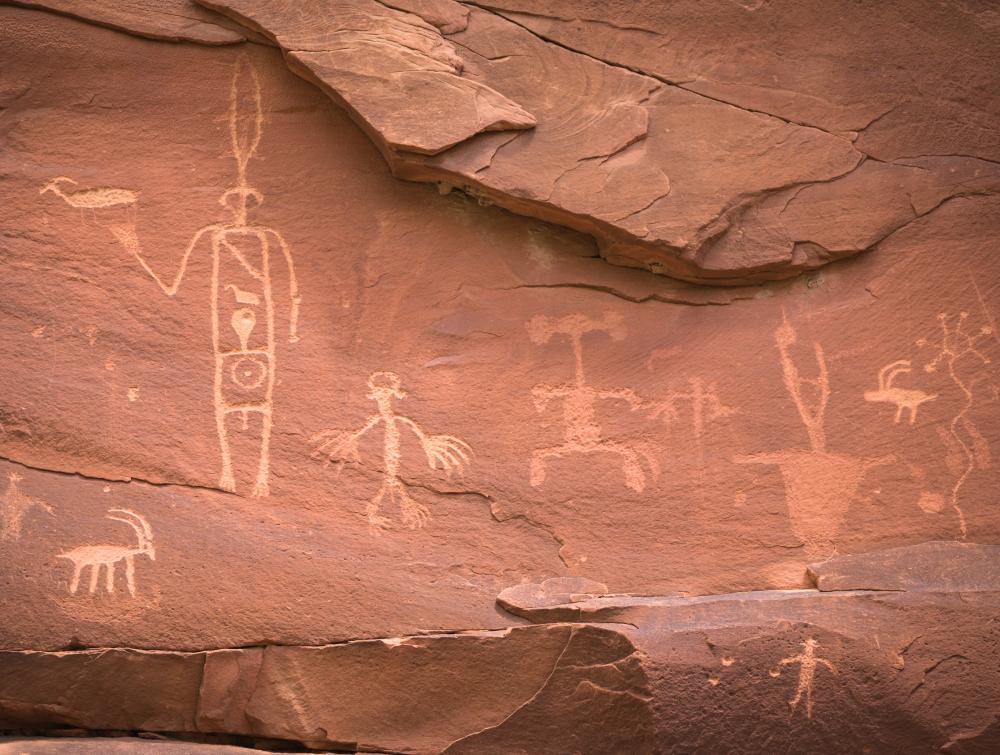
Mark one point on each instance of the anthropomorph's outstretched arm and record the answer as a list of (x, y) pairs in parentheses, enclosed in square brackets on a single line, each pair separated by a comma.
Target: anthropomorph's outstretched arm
[(622, 394), (293, 287), (338, 445), (447, 450), (127, 238)]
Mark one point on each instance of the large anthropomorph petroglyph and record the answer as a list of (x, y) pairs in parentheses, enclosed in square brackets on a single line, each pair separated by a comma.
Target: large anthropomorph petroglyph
[(242, 298), (582, 432)]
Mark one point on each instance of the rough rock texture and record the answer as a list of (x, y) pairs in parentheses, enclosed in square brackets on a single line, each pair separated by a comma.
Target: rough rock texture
[(171, 20), (462, 693), (277, 428), (811, 64), (792, 670), (625, 157), (115, 746)]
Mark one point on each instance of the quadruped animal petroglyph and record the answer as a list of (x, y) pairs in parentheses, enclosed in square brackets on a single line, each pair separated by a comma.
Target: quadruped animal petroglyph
[(903, 398), (582, 432), (108, 556), (442, 451), (242, 297)]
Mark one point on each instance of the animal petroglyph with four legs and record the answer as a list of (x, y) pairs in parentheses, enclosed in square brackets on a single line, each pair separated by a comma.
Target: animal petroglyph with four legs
[(96, 556), (582, 432), (242, 292), (958, 352), (15, 505), (903, 398), (808, 662), (442, 451), (819, 484)]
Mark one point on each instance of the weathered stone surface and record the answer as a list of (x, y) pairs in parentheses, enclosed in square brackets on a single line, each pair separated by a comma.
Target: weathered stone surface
[(393, 71), (522, 599), (808, 64), (471, 692), (934, 566), (114, 746), (808, 671), (172, 20), (627, 159)]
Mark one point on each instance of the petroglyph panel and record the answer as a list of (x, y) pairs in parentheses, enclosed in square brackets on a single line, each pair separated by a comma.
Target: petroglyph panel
[(150, 313)]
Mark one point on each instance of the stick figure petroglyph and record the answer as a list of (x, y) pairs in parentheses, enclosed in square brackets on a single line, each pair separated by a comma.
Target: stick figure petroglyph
[(16, 505), (808, 661), (705, 407), (242, 293), (903, 398), (582, 432), (819, 484), (96, 556), (955, 347), (442, 451)]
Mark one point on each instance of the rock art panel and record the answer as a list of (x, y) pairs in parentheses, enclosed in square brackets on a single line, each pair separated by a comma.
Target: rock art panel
[(599, 576)]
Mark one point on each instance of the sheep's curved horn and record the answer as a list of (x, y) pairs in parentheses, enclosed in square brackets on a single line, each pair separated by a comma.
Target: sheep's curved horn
[(143, 530)]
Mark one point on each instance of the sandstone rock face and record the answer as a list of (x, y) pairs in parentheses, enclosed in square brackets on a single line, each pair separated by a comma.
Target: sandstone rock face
[(673, 429)]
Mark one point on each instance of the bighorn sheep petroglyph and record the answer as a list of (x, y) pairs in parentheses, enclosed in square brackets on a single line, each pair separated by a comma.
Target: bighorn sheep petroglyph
[(96, 556)]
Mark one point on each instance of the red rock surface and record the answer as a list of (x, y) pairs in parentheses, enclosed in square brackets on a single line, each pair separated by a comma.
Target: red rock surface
[(277, 428)]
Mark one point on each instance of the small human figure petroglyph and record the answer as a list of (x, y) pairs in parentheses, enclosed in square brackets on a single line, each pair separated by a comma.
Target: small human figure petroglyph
[(444, 451), (242, 254), (705, 405), (582, 432), (90, 199), (96, 556), (903, 398), (16, 505), (959, 352), (807, 661)]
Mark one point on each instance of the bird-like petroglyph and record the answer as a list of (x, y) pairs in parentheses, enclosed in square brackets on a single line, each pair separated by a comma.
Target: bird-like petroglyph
[(808, 662), (14, 506), (903, 398), (442, 451), (959, 353), (108, 556), (819, 484), (242, 295), (582, 432), (90, 199)]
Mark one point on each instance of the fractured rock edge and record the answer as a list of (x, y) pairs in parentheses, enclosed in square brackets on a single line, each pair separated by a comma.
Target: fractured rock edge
[(712, 260)]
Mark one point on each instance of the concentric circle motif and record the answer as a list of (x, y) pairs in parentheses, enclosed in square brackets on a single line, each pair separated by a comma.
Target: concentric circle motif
[(248, 372)]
